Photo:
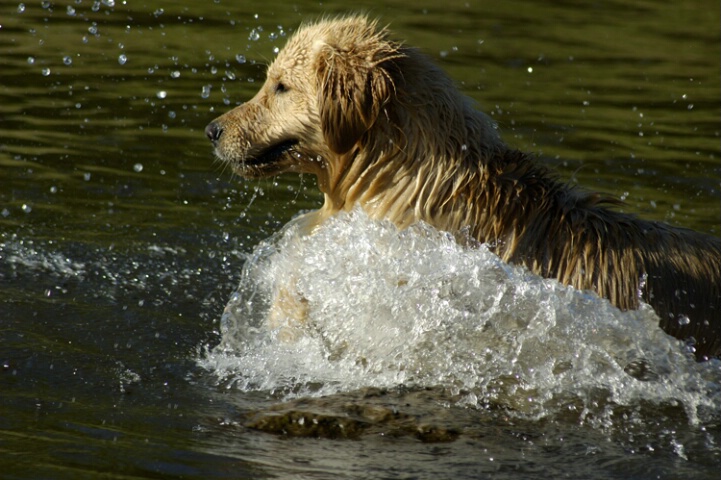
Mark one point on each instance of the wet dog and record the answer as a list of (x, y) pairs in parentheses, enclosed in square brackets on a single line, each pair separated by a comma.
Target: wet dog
[(382, 127)]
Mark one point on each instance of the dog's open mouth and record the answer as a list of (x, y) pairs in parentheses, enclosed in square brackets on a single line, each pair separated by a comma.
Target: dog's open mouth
[(271, 154)]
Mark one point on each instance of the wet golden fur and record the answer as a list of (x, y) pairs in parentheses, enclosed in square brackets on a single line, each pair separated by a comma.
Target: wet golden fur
[(382, 127)]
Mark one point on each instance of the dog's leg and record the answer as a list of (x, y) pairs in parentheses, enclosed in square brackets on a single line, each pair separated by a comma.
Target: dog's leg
[(288, 315)]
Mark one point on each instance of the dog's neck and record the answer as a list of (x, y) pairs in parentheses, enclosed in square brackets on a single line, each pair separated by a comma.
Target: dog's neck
[(500, 197), (405, 180)]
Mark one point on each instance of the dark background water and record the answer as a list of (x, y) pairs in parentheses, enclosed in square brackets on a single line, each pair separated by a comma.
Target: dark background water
[(121, 240)]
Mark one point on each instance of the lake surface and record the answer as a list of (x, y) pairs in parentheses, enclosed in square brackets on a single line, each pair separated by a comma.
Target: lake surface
[(130, 344)]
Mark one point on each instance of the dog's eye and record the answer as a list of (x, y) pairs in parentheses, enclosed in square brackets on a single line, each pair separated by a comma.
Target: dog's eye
[(280, 87)]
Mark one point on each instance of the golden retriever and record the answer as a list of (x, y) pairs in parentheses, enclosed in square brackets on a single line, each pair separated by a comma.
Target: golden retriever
[(384, 128)]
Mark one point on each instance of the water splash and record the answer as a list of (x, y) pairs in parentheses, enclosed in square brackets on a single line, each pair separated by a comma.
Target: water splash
[(418, 308)]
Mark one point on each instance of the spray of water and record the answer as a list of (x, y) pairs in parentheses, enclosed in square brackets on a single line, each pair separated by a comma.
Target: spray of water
[(419, 308)]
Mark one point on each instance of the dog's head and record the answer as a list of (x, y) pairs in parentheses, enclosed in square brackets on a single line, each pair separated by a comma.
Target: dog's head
[(324, 91)]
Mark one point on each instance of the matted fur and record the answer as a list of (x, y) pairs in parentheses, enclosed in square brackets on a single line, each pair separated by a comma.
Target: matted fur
[(381, 126)]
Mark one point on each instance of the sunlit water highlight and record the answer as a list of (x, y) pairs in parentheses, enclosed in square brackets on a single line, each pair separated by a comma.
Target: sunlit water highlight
[(419, 308)]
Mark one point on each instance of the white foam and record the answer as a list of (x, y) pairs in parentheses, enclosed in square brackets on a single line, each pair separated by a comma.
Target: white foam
[(24, 254), (414, 307)]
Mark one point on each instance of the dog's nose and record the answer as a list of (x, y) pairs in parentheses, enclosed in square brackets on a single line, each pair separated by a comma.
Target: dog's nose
[(213, 131)]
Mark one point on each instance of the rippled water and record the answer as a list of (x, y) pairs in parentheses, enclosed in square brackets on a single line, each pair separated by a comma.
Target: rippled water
[(135, 272)]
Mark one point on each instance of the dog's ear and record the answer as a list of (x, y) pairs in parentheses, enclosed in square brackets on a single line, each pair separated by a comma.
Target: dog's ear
[(354, 88)]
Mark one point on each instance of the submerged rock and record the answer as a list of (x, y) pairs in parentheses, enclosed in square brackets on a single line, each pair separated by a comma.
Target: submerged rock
[(422, 414)]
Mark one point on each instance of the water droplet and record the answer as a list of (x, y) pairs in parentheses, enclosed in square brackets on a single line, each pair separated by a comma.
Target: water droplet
[(26, 208), (122, 59), (31, 60), (70, 11), (46, 72), (175, 74), (86, 176), (159, 12), (53, 189), (255, 34), (205, 92), (138, 167), (240, 58), (530, 69), (109, 3), (67, 60), (161, 94), (21, 8)]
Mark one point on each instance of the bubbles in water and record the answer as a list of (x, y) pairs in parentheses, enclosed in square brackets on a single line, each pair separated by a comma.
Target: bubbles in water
[(31, 60), (161, 94), (122, 59), (46, 72), (67, 60), (138, 167), (21, 8), (205, 92)]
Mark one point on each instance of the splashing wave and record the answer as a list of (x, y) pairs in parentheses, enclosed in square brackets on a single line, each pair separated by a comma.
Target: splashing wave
[(421, 309)]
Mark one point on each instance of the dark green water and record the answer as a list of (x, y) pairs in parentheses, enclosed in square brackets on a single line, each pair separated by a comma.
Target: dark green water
[(121, 240)]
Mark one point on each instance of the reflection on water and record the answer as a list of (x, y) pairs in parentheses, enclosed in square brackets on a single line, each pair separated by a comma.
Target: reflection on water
[(121, 242)]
